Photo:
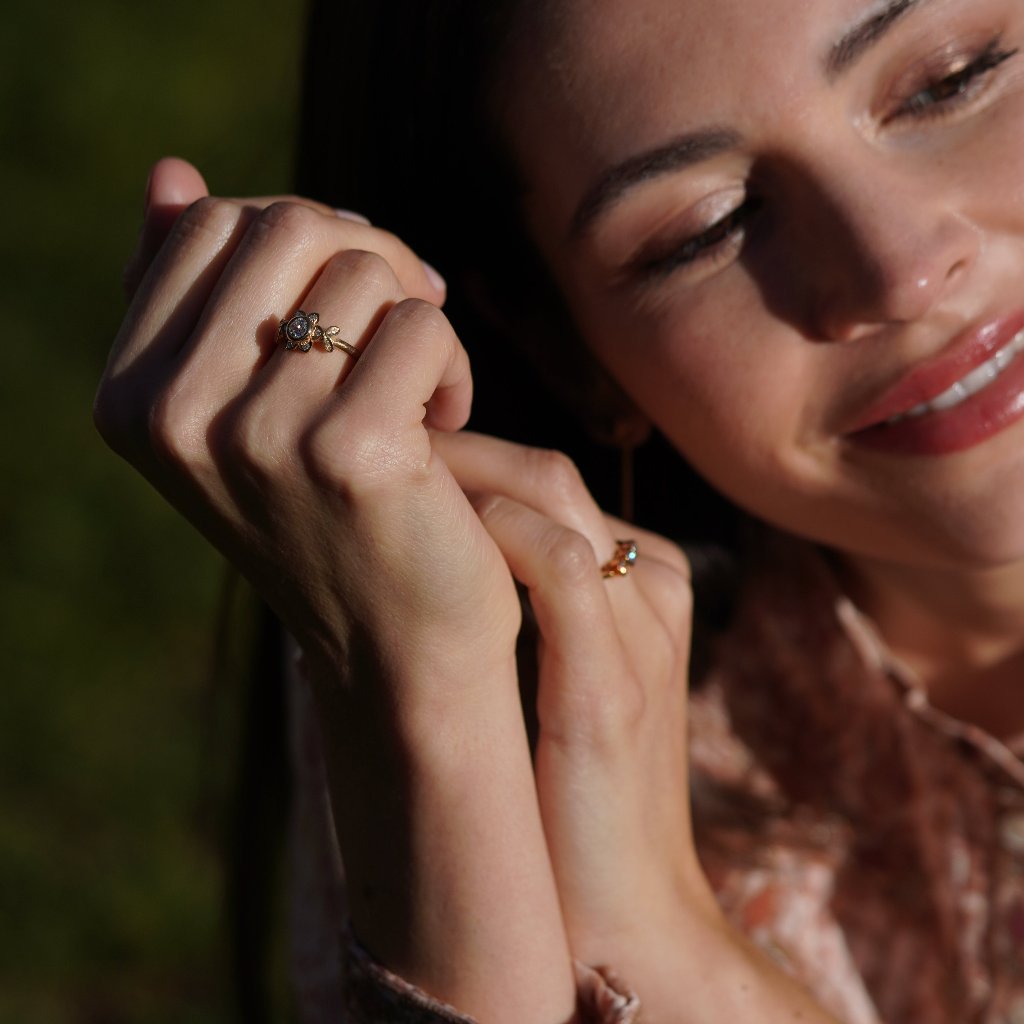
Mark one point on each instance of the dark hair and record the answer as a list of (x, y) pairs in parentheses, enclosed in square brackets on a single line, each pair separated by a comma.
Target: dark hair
[(400, 128), (409, 140)]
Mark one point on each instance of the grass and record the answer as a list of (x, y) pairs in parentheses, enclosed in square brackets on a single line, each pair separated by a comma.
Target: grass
[(110, 836)]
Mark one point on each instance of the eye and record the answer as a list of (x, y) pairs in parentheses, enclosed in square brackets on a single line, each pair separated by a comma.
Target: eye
[(955, 88), (715, 241)]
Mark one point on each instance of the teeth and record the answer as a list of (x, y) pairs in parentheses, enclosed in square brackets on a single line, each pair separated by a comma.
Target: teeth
[(954, 396), (977, 379)]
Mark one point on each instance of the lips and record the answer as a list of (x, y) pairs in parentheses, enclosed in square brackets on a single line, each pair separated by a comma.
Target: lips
[(973, 388)]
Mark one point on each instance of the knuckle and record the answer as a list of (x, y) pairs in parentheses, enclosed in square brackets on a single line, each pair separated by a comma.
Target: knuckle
[(207, 217), (334, 458), (394, 249), (176, 431), (295, 223), (251, 443), (369, 268), (408, 266), (675, 557), (557, 474), (679, 590), (391, 242), (424, 323), (571, 558), (419, 316), (676, 613)]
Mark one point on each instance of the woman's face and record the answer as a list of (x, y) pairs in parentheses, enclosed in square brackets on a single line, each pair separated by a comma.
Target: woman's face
[(787, 225)]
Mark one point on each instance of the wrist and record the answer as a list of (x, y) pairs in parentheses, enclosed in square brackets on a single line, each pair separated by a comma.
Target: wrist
[(451, 884), (423, 693), (449, 881)]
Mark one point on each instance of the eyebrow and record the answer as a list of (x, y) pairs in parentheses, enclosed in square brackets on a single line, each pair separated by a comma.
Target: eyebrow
[(696, 147), (856, 42), (673, 156)]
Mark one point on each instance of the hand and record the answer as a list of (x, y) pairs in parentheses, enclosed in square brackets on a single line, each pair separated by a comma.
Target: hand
[(611, 758), (280, 459), (317, 477)]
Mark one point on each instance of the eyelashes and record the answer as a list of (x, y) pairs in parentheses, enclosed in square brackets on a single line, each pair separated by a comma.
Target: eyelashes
[(943, 95), (956, 88), (722, 236)]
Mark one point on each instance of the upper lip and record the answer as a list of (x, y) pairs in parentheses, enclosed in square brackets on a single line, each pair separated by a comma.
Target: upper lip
[(931, 377)]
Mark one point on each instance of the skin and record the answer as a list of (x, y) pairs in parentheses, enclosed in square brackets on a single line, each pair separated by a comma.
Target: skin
[(387, 544), (751, 358), (388, 541)]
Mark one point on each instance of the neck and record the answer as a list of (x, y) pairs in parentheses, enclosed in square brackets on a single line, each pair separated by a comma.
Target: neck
[(961, 632)]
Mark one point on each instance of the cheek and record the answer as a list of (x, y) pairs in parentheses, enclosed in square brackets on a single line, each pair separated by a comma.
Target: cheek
[(734, 394), (992, 172)]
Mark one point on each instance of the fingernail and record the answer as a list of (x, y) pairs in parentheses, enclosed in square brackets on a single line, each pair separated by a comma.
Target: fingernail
[(439, 283), (352, 215)]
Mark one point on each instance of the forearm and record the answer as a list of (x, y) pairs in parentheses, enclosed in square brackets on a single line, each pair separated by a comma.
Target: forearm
[(449, 879)]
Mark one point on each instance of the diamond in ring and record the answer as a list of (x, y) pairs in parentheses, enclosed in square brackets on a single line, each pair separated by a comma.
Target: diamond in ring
[(297, 330), (303, 331)]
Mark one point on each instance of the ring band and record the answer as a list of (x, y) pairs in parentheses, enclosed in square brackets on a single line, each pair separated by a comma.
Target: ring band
[(303, 330), (622, 561)]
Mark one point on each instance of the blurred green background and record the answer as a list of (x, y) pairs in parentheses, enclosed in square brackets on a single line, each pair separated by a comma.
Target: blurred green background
[(118, 748)]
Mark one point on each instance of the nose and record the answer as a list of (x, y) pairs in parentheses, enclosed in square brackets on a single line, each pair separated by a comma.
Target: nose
[(892, 247)]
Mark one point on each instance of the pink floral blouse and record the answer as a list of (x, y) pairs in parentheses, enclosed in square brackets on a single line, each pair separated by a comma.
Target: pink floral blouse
[(868, 843)]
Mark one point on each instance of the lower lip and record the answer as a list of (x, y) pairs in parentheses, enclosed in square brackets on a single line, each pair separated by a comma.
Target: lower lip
[(994, 408)]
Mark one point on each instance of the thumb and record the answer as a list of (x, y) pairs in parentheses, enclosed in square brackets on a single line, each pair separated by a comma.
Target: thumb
[(173, 185)]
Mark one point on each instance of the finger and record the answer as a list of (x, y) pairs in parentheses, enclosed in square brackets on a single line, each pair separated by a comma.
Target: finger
[(419, 278), (546, 480), (413, 370), (655, 546), (172, 186), (267, 279), (596, 691), (437, 282), (174, 291), (549, 483), (350, 300), (262, 202), (175, 184)]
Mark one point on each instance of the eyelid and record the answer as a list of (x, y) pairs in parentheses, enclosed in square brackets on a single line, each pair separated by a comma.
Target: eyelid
[(688, 225), (944, 62), (696, 256)]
